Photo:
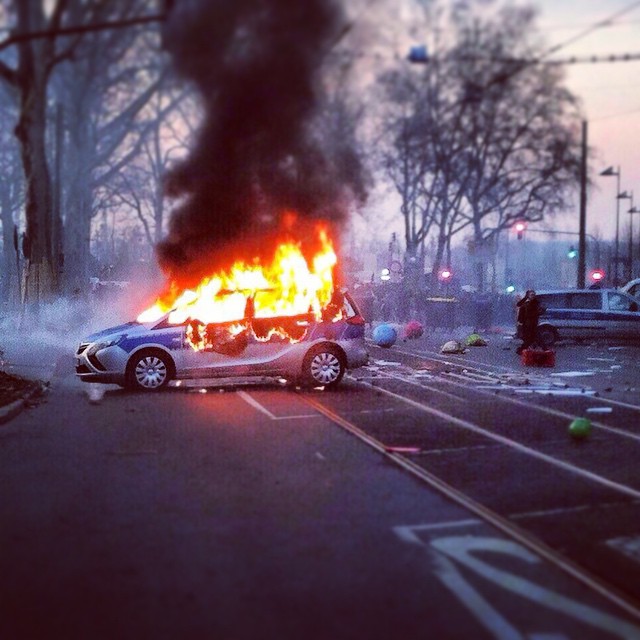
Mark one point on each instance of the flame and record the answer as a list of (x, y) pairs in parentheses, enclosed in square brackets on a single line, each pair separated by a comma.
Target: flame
[(289, 285)]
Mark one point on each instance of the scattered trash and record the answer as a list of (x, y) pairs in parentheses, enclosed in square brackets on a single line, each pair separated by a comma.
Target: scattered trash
[(384, 335), (573, 374), (599, 410), (476, 340), (452, 346), (413, 330), (580, 428), (392, 449), (537, 358), (387, 363), (95, 393)]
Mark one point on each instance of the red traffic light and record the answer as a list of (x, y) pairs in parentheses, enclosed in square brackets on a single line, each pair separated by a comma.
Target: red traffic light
[(520, 227), (597, 275), (445, 274)]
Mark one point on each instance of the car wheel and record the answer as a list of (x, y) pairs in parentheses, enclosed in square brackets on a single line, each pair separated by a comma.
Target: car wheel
[(323, 366), (547, 336), (149, 371)]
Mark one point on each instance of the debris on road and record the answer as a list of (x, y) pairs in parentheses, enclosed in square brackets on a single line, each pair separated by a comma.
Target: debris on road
[(580, 428), (384, 335), (452, 346), (476, 340)]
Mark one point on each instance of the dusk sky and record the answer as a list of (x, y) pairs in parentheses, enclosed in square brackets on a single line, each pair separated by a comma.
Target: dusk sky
[(610, 95)]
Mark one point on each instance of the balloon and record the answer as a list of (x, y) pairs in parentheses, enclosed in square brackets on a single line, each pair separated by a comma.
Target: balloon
[(384, 335)]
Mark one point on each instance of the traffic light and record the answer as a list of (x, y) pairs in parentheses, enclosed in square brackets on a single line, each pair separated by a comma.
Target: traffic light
[(572, 253), (597, 275), (520, 227), (445, 274), (385, 274), (509, 288)]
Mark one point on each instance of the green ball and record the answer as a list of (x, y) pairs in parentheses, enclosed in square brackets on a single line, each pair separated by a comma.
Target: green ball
[(580, 428)]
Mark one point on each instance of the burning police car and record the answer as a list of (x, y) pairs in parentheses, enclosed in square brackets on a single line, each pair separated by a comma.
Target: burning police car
[(301, 347)]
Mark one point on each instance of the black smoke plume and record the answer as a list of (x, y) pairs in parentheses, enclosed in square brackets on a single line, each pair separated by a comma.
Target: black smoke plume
[(261, 152)]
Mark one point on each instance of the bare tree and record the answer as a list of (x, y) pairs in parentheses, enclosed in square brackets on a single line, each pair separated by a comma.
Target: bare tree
[(483, 137), (140, 185), (44, 34), (11, 202)]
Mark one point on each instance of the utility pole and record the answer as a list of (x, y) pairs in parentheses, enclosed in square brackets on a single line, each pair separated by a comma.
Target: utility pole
[(582, 242)]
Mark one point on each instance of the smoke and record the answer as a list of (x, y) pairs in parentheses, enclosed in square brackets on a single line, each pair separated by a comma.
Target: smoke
[(261, 152)]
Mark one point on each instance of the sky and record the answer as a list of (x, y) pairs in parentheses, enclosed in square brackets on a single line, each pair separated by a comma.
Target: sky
[(610, 95), (610, 100)]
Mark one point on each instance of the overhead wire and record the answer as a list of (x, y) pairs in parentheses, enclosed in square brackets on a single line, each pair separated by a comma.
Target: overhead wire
[(606, 22)]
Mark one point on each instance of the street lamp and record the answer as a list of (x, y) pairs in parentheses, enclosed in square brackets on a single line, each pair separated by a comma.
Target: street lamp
[(631, 212), (625, 195), (610, 171)]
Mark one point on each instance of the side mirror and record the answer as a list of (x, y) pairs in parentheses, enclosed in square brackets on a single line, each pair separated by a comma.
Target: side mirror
[(633, 306)]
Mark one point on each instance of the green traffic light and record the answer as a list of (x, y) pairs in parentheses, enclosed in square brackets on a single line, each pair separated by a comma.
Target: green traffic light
[(572, 253)]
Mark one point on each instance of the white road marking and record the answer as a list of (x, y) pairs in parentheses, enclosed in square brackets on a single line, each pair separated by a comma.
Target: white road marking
[(256, 405), (628, 545), (460, 548), (487, 615), (474, 428), (561, 510), (522, 403), (407, 533), (501, 524)]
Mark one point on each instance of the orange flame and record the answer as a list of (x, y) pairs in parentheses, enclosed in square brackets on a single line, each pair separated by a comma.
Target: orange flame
[(288, 286)]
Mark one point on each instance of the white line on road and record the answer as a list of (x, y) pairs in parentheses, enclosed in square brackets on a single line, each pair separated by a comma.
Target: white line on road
[(502, 524), (522, 403), (256, 405), (474, 428)]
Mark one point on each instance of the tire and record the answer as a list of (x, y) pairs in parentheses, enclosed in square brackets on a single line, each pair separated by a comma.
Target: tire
[(547, 336), (149, 371), (323, 366)]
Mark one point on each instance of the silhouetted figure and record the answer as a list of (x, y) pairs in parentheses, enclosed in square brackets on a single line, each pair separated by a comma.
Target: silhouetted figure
[(529, 312)]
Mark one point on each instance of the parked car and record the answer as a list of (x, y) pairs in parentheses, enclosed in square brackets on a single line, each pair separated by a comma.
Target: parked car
[(300, 348), (589, 313), (632, 288)]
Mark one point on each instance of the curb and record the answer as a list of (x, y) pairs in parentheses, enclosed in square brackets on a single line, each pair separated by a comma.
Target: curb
[(11, 410)]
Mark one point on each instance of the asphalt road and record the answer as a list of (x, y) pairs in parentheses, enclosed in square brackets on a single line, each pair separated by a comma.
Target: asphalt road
[(430, 496)]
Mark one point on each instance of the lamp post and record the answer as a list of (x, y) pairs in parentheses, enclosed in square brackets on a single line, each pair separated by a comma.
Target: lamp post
[(610, 171), (631, 212), (625, 195)]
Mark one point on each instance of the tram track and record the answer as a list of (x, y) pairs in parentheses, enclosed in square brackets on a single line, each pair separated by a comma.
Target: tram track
[(423, 384), (505, 525)]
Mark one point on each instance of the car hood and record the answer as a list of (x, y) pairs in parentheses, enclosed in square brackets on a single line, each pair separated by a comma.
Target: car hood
[(128, 328)]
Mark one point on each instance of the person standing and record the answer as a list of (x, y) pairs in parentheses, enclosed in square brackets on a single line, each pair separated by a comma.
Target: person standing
[(529, 312)]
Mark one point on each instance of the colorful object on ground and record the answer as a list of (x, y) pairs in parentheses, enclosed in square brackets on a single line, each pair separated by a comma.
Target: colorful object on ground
[(452, 346), (538, 358), (580, 428), (384, 335), (475, 340), (413, 330)]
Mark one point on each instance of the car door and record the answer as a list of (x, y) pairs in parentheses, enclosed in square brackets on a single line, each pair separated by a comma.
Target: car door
[(623, 319), (586, 314), (274, 336)]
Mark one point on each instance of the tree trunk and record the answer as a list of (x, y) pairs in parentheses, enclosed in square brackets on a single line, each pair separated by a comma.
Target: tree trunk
[(8, 280), (41, 280), (77, 240)]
